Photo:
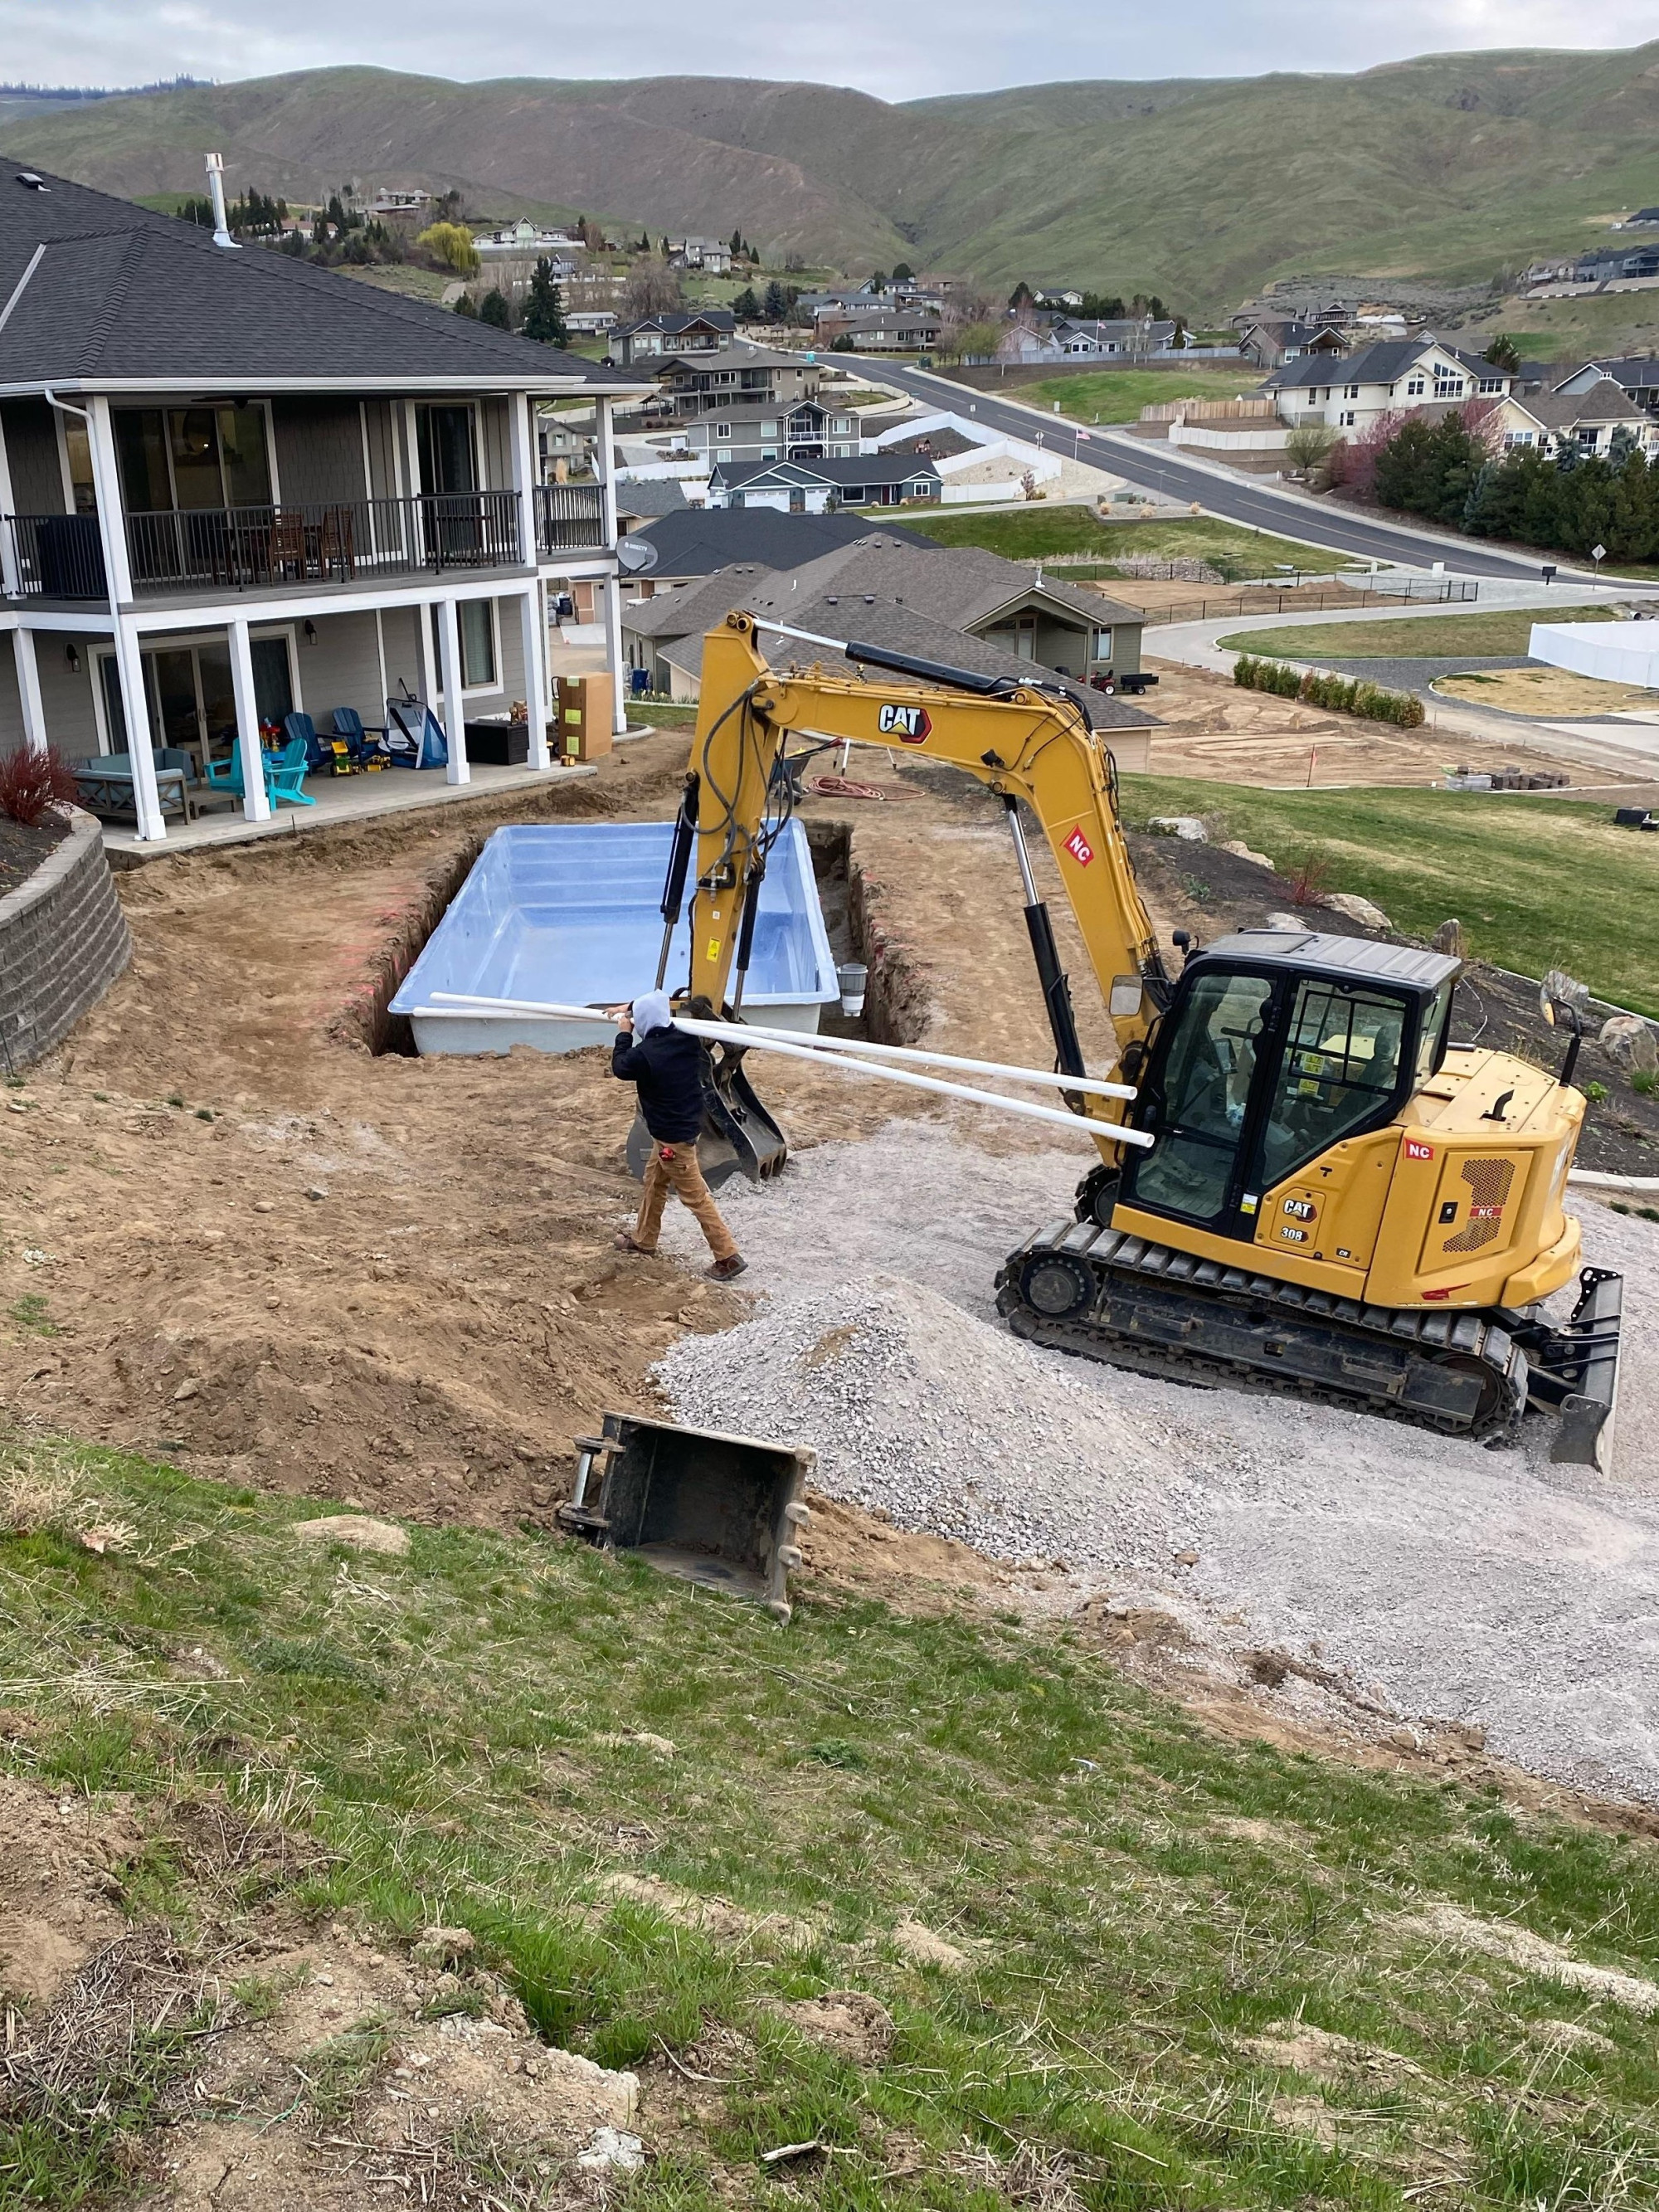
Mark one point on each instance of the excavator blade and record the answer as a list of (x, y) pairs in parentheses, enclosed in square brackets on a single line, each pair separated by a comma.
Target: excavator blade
[(1574, 1371)]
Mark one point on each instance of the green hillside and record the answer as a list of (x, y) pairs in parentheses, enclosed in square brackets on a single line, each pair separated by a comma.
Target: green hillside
[(1446, 168)]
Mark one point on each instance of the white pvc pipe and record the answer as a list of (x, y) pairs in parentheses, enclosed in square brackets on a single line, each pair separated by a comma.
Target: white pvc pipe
[(757, 1032), (722, 1033)]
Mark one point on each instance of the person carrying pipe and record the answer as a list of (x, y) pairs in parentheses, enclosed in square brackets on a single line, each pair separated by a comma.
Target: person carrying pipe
[(666, 1065)]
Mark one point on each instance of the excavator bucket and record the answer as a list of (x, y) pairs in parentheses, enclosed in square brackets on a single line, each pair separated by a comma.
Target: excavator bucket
[(726, 1511), (739, 1136)]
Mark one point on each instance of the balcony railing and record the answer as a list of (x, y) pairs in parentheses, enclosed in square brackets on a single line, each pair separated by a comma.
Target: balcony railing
[(569, 518), (323, 542), (59, 556)]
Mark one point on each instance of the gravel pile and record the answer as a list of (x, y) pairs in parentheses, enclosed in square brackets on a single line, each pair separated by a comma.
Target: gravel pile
[(1447, 1582)]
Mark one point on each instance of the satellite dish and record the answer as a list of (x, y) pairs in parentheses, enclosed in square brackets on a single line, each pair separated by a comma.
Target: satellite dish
[(636, 557)]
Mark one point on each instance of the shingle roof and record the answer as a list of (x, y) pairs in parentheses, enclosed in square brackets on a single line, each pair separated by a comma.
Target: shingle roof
[(702, 539), (738, 356), (697, 607), (103, 293), (1381, 363), (960, 585), (654, 496), (901, 630), (1606, 401), (674, 325), (870, 469)]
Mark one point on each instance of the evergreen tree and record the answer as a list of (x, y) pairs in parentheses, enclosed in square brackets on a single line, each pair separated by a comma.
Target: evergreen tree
[(904, 274), (736, 246), (776, 305), (543, 310), (1022, 296), (496, 309), (1503, 353), (467, 306), (746, 306), (665, 247)]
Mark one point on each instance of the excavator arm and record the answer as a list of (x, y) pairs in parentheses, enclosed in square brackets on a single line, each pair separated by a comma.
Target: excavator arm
[(1028, 744)]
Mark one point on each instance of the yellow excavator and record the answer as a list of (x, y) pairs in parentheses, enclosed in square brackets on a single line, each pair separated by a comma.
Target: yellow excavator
[(1308, 1187)]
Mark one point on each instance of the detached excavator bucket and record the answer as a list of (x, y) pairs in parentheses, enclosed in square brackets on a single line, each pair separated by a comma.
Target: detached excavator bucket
[(739, 1136), (1573, 1371), (723, 1511)]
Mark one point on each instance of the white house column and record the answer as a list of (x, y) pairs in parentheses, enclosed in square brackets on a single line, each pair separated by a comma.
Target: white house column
[(130, 666), (449, 667), (28, 690), (613, 656), (112, 524), (524, 473), (533, 613), (256, 805), (605, 456)]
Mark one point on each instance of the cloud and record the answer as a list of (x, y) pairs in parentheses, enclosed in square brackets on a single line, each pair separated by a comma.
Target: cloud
[(929, 46)]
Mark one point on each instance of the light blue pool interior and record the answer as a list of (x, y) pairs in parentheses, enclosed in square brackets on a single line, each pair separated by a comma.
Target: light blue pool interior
[(570, 912)]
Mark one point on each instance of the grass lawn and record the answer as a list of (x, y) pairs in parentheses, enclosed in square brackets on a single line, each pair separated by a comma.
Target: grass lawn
[(1154, 1927), (1118, 395), (1537, 883), (1504, 630), (404, 277), (1028, 533)]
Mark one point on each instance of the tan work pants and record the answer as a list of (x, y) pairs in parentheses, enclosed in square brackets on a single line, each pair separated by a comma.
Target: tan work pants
[(675, 1167)]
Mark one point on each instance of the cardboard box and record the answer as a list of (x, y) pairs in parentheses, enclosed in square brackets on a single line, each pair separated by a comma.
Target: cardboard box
[(585, 713)]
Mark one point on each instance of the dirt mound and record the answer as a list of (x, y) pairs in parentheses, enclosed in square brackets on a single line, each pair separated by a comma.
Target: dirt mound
[(60, 1869), (847, 2021)]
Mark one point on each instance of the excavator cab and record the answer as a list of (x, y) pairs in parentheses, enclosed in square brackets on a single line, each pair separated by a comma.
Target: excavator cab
[(1276, 1047)]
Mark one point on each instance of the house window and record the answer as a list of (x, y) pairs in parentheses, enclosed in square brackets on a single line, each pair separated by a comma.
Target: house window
[(1351, 393), (1345, 421), (1415, 388), (722, 453), (1103, 646), (1447, 386), (1490, 383), (191, 457), (722, 429), (476, 621), (769, 453)]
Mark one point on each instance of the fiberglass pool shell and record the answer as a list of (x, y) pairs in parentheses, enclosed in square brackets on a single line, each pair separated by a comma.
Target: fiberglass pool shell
[(570, 913)]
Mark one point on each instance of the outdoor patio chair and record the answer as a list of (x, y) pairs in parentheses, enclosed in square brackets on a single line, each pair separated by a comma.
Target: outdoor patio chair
[(414, 736), (285, 775), (301, 729)]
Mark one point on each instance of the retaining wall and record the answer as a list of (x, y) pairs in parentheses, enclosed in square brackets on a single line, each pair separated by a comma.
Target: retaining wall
[(64, 940)]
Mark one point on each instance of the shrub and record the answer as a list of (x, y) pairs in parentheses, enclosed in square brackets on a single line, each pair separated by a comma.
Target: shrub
[(1341, 695), (1309, 878), (30, 782)]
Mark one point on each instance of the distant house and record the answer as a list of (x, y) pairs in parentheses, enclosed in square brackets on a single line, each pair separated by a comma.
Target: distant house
[(590, 322), (528, 241), (700, 330), (770, 431), (1061, 338), (1270, 344), (1636, 374), (1397, 376), (404, 208), (882, 330), (957, 605), (713, 380), (639, 502), (1586, 419), (816, 487), (712, 255)]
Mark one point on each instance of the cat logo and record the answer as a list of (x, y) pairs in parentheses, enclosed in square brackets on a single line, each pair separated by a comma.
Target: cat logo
[(910, 725), (1300, 1209)]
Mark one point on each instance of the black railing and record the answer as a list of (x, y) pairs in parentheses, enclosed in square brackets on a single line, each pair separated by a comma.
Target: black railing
[(569, 518), (323, 542), (59, 556)]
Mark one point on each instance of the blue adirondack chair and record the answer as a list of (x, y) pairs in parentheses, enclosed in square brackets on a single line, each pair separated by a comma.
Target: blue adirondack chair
[(285, 774), (302, 730)]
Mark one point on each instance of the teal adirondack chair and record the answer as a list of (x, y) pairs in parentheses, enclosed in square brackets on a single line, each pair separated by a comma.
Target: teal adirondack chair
[(285, 774)]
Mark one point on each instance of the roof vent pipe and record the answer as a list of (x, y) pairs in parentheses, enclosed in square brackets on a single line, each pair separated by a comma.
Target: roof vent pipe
[(215, 177)]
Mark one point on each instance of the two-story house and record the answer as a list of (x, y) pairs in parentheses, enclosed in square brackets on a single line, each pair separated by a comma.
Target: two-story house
[(735, 375), (232, 484), (1636, 375), (693, 331), (902, 329), (1587, 414), (1393, 378)]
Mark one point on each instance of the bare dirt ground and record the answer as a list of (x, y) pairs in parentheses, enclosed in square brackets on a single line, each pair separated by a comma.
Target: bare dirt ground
[(1212, 729)]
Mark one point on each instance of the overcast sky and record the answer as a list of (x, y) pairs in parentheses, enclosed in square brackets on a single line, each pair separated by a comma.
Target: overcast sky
[(901, 52)]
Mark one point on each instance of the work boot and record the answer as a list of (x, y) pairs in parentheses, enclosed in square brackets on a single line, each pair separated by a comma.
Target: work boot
[(625, 1243), (726, 1270)]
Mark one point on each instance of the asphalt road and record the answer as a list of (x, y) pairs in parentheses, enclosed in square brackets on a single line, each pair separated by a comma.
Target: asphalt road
[(1156, 468)]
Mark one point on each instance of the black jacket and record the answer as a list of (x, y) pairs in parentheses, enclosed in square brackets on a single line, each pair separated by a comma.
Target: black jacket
[(667, 1065)]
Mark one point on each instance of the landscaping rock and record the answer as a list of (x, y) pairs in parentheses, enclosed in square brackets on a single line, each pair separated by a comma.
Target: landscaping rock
[(1237, 845), (1356, 909), (1186, 827), (1630, 1043), (361, 1530)]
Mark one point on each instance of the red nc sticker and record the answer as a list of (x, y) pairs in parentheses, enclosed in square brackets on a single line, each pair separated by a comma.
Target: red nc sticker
[(1416, 1151), (1079, 847)]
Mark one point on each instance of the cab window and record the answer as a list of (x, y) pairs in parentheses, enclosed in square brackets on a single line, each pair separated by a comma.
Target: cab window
[(1207, 1090), (1340, 1072)]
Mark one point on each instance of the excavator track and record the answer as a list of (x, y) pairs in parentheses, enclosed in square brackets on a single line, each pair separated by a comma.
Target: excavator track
[(1131, 1303)]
